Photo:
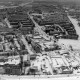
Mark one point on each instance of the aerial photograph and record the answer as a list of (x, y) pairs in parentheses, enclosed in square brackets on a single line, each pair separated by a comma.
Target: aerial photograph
[(39, 39)]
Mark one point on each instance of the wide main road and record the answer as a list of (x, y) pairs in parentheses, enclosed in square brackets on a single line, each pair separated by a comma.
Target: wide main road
[(76, 26), (39, 29), (75, 43)]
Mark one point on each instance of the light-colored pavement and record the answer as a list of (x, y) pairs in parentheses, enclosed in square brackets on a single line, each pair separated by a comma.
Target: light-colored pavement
[(26, 44), (42, 77), (8, 24), (75, 43), (76, 26), (39, 29)]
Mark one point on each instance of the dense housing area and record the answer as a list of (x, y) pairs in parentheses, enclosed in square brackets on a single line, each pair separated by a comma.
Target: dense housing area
[(29, 40)]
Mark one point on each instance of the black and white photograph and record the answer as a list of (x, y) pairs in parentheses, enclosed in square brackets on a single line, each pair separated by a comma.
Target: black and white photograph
[(39, 39)]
